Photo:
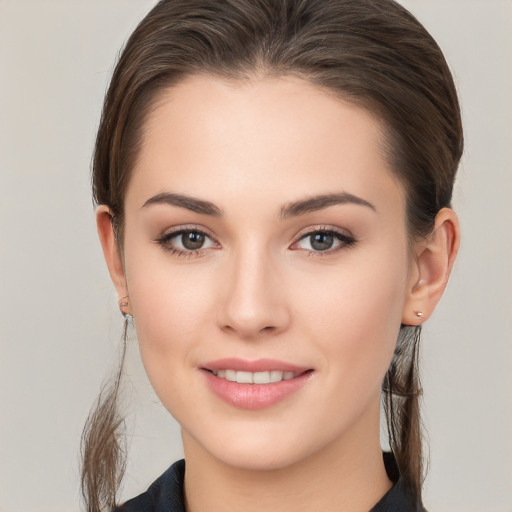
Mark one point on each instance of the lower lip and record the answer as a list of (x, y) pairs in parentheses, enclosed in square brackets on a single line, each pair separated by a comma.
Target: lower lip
[(254, 396)]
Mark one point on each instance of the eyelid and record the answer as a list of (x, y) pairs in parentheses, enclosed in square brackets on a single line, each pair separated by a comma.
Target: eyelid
[(323, 228), (167, 235), (185, 227), (346, 238)]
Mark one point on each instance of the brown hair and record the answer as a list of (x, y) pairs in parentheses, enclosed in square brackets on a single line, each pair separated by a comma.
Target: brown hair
[(373, 53)]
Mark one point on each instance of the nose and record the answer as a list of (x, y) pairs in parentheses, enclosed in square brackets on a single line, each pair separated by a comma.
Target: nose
[(254, 297)]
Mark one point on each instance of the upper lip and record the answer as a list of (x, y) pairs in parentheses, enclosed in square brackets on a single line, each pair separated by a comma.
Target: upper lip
[(258, 365)]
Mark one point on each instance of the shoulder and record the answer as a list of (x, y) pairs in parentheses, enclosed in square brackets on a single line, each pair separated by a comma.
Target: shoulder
[(165, 494)]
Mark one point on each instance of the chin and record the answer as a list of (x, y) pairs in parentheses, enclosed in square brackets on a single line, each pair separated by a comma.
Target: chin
[(250, 458), (271, 448)]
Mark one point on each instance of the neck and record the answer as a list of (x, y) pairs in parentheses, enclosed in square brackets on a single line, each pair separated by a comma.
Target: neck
[(348, 474)]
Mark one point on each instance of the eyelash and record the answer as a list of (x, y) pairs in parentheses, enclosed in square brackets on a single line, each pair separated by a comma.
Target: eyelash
[(164, 241), (345, 241)]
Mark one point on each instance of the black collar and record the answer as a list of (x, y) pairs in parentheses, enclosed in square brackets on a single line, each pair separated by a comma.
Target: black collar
[(398, 498), (166, 493)]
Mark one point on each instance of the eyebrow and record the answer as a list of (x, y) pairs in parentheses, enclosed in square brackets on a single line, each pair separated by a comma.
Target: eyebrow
[(190, 203), (293, 209), (316, 203)]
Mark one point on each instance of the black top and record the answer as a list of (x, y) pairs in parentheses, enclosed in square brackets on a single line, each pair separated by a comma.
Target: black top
[(166, 493)]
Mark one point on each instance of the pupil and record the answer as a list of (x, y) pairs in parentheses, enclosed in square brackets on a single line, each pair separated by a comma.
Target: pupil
[(322, 241), (192, 240)]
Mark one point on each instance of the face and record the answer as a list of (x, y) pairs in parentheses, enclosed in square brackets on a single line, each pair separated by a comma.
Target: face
[(267, 267)]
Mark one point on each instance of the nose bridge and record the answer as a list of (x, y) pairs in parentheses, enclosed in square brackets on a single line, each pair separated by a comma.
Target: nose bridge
[(254, 302)]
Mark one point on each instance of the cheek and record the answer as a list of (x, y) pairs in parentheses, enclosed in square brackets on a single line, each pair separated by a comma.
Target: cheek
[(355, 315), (170, 310), (170, 306)]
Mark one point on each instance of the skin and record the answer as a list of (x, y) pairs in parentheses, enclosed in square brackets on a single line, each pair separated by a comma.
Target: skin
[(258, 289)]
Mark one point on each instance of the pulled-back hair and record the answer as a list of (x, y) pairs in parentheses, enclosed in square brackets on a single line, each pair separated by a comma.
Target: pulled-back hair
[(372, 53)]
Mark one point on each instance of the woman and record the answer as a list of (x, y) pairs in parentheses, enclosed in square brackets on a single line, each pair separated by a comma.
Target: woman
[(273, 180)]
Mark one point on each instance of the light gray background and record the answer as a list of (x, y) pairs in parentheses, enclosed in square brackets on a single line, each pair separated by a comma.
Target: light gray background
[(59, 324)]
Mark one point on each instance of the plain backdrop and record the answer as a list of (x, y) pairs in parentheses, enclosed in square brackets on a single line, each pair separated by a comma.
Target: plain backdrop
[(59, 323)]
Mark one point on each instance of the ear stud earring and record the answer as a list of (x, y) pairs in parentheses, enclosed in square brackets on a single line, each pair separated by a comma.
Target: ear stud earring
[(419, 314), (124, 304)]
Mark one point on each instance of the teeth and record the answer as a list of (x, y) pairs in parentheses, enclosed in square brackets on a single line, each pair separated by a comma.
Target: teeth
[(244, 377), (255, 377), (276, 376), (231, 375), (261, 377)]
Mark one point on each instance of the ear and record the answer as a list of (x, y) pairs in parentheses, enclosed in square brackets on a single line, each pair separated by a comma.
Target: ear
[(112, 255), (434, 258)]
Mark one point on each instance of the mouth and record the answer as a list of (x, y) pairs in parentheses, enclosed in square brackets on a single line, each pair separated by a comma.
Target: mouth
[(255, 384), (264, 377)]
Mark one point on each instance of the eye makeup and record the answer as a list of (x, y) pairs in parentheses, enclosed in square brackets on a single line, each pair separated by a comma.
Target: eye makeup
[(323, 241), (187, 241), (193, 241)]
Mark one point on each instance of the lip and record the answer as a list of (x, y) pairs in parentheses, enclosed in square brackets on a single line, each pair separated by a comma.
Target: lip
[(258, 365), (254, 396)]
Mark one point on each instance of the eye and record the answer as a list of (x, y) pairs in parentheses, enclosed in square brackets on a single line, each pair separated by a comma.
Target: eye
[(186, 241), (190, 240), (323, 240)]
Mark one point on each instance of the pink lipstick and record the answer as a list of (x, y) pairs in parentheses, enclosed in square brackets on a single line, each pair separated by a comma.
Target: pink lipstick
[(254, 384)]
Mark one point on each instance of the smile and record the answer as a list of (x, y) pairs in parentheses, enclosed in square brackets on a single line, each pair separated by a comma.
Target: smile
[(265, 377), (255, 384)]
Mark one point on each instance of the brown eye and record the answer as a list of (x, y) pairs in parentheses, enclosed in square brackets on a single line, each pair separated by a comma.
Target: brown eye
[(192, 240), (186, 241)]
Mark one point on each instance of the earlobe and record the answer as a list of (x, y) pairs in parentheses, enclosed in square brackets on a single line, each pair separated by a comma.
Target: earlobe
[(432, 267), (111, 251)]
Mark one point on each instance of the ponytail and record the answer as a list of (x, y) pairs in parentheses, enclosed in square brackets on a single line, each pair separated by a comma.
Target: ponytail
[(103, 446), (401, 397)]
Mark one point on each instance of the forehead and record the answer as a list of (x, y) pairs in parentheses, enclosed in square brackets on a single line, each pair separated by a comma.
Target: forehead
[(276, 137)]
